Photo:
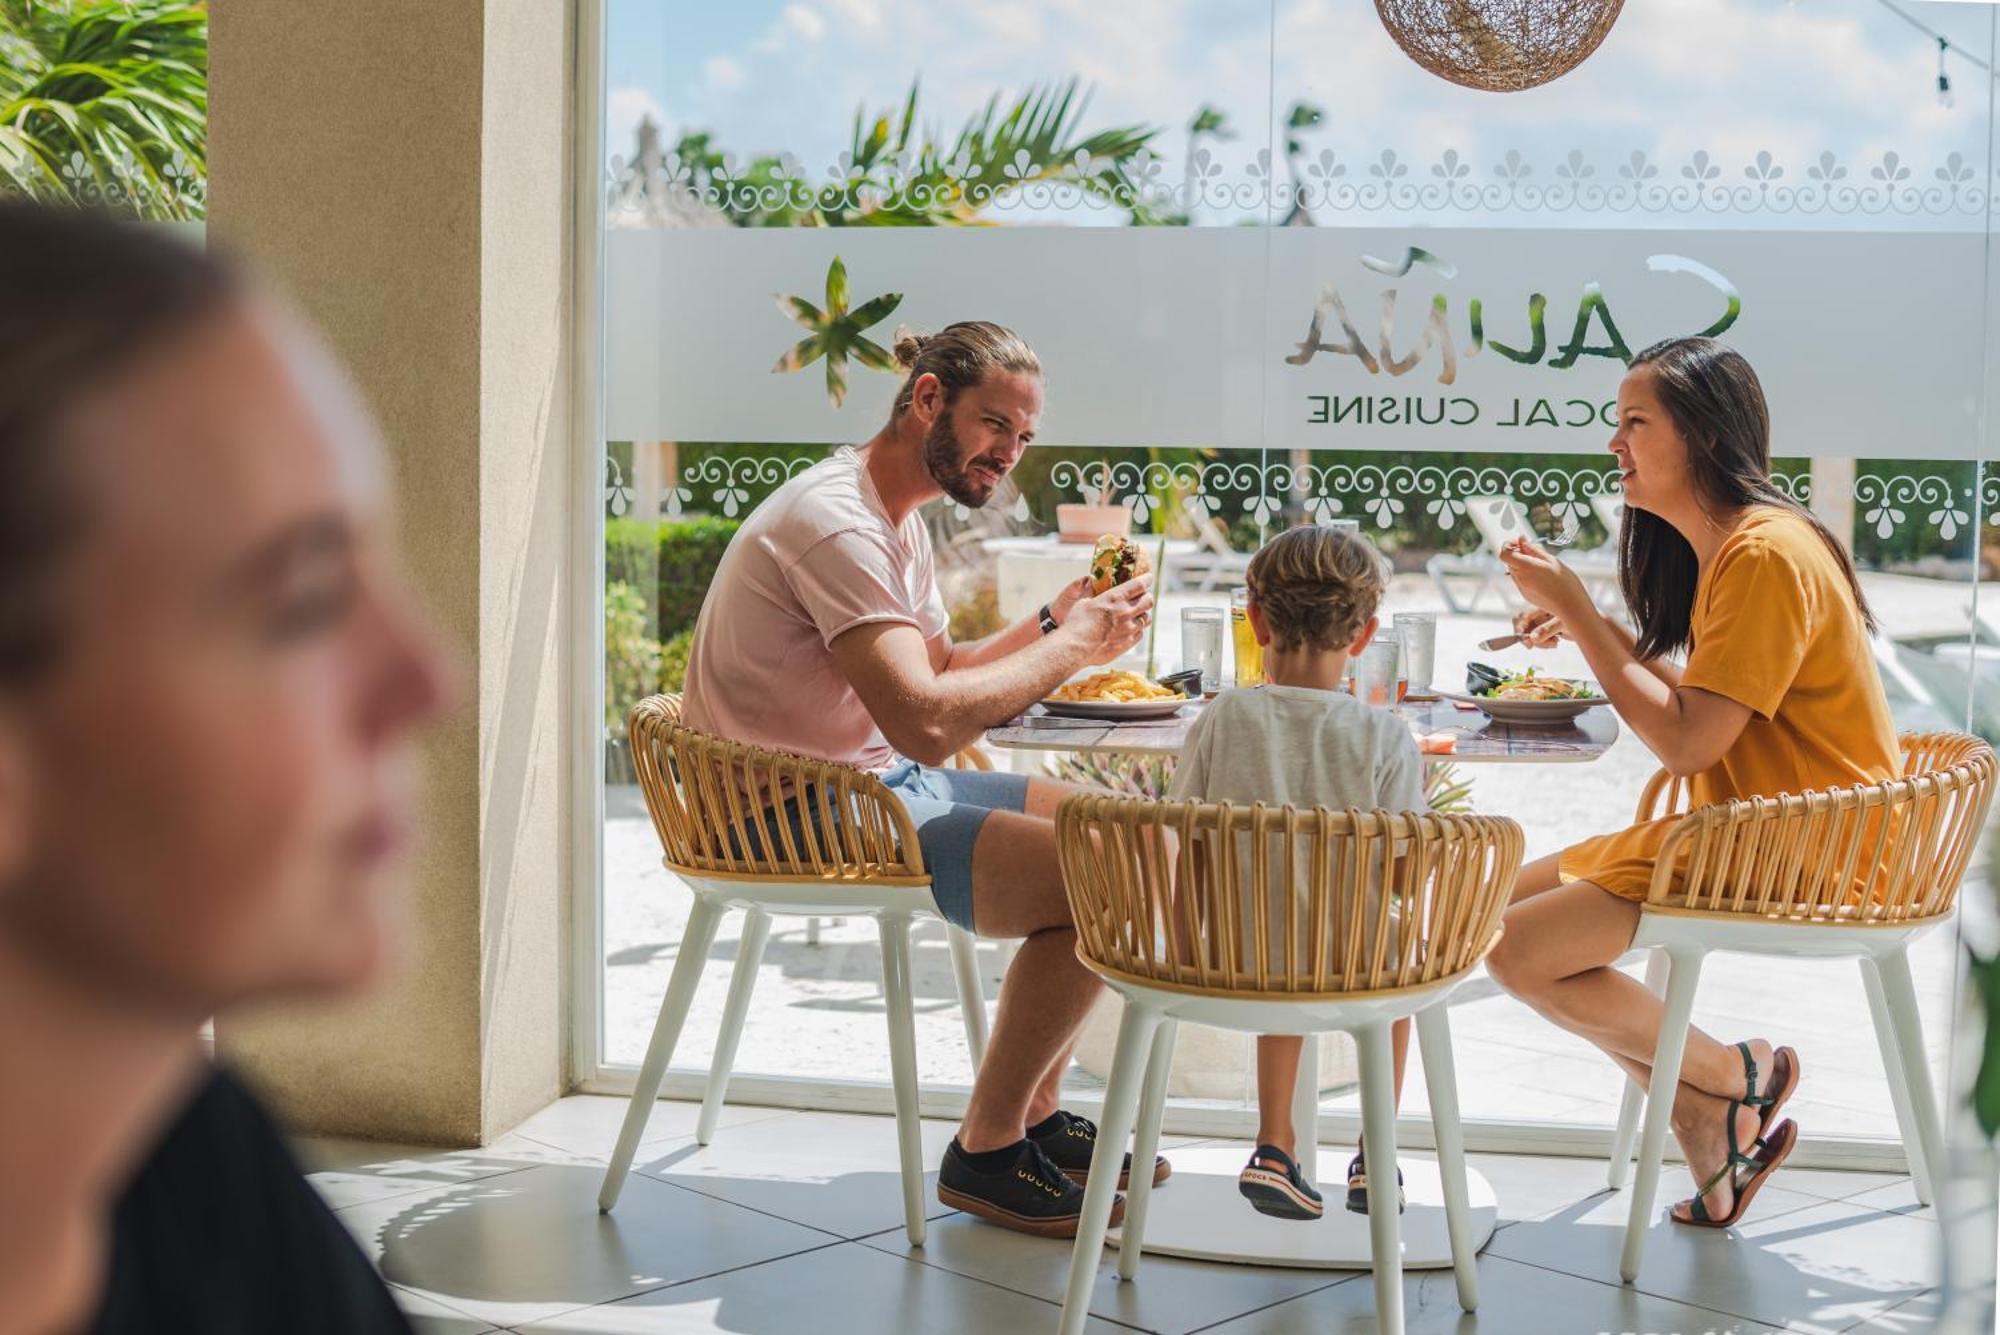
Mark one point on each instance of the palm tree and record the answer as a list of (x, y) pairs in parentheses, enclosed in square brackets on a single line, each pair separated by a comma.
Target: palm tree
[(106, 102), (896, 174)]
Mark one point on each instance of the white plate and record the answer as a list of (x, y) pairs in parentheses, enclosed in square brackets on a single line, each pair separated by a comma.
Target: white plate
[(1528, 711), (1115, 711)]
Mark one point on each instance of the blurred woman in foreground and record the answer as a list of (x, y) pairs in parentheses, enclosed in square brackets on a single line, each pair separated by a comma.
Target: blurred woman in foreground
[(210, 682)]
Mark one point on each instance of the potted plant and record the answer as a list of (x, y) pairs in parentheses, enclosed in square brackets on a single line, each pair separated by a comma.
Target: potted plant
[(1089, 521)]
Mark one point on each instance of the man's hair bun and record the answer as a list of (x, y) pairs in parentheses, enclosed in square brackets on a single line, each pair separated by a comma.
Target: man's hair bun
[(909, 346)]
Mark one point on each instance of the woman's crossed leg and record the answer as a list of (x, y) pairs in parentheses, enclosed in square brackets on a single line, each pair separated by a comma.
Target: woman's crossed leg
[(1561, 943)]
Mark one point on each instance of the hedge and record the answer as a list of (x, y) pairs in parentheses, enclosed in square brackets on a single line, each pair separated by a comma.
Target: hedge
[(676, 558)]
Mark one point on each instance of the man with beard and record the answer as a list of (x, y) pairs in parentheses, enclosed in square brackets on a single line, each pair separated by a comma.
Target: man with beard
[(824, 634)]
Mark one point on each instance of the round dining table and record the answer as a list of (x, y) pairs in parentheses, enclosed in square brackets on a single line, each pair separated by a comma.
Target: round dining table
[(1197, 1212)]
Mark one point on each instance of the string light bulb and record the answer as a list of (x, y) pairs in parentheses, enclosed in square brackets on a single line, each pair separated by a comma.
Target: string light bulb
[(1944, 79)]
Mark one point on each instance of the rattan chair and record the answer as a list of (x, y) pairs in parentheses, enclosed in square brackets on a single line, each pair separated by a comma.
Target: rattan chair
[(1174, 907), (1849, 873), (860, 858)]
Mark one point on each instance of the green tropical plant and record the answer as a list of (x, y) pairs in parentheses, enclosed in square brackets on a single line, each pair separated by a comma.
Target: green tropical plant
[(105, 102), (631, 654), (896, 174)]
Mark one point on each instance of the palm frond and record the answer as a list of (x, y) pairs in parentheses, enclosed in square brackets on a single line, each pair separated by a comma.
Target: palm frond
[(106, 102)]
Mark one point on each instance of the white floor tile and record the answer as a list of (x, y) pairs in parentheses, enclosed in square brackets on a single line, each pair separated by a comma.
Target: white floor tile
[(830, 1171), (1822, 1266), (840, 1289), (352, 1172), (742, 1237), (588, 1124), (1514, 1299), (430, 1317), (531, 1244), (1169, 1295)]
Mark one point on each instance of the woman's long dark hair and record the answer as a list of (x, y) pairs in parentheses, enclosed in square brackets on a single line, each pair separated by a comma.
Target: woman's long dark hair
[(1718, 407), (85, 296)]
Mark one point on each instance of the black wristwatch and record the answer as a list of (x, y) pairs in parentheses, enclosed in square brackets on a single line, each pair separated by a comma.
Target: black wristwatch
[(1048, 620)]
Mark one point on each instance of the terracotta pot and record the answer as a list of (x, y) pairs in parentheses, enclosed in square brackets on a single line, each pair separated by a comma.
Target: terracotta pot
[(1088, 523)]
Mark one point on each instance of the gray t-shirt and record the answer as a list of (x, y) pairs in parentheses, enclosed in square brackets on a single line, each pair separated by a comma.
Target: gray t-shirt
[(1295, 745)]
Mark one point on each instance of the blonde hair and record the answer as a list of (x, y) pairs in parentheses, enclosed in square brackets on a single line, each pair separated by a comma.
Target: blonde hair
[(960, 356), (1316, 586)]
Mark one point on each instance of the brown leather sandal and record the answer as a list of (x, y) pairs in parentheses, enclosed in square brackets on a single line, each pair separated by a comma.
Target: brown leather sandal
[(1776, 1148)]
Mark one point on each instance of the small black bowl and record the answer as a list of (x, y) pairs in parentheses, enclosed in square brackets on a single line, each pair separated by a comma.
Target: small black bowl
[(1479, 678), (1186, 681)]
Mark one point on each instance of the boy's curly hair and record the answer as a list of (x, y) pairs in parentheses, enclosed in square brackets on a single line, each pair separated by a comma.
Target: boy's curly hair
[(1316, 586)]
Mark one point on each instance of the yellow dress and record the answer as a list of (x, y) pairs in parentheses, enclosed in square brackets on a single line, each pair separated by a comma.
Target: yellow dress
[(1775, 627)]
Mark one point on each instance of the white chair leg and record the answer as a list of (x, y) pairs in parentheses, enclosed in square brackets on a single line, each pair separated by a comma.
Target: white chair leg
[(1899, 991), (971, 996), (1634, 1098), (812, 931), (1441, 1079), (1683, 975), (1899, 1093), (895, 931), (695, 942), (1378, 1133), (742, 982), (1145, 1145), (1114, 1130)]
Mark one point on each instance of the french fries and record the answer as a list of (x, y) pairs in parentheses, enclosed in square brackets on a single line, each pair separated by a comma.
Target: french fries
[(1118, 686)]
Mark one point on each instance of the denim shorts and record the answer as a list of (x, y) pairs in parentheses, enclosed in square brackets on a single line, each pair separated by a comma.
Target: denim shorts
[(947, 806)]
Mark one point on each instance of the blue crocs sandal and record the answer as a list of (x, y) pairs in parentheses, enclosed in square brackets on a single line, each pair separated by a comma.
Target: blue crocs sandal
[(1357, 1186), (1281, 1191)]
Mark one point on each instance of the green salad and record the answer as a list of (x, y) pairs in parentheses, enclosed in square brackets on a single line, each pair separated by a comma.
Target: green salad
[(1531, 685)]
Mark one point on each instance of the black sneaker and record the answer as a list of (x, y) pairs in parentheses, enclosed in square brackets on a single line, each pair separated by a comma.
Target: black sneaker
[(1357, 1187), (1030, 1195), (1071, 1142)]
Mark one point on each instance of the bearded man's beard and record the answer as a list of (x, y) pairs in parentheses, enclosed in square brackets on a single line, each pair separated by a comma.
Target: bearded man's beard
[(953, 474)]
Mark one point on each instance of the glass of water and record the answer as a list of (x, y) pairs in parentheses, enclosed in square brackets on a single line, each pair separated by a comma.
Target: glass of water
[(1201, 645), (1376, 674), (1418, 632)]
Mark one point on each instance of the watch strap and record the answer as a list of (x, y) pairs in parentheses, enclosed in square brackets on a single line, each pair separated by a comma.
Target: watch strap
[(1048, 619)]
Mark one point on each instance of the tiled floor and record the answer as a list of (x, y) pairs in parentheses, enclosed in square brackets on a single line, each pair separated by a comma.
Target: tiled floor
[(791, 1223)]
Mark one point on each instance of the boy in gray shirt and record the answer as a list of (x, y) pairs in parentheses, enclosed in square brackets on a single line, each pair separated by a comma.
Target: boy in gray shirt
[(1300, 740)]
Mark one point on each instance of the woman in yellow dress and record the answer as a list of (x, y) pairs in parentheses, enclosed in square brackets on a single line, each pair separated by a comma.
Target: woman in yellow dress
[(1778, 693)]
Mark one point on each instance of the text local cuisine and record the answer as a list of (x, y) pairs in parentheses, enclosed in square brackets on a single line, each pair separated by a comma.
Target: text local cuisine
[(1114, 561), (1528, 686), (1114, 686)]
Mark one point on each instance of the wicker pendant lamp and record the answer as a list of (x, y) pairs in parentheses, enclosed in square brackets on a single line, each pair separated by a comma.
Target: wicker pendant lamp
[(1501, 46)]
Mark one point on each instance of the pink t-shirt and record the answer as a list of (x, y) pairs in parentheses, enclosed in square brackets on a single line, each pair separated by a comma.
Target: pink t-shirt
[(817, 558)]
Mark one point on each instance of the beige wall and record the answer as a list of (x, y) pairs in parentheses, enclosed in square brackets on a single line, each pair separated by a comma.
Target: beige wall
[(400, 172)]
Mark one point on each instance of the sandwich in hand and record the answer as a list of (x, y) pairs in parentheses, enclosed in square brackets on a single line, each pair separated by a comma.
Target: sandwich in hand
[(1115, 561)]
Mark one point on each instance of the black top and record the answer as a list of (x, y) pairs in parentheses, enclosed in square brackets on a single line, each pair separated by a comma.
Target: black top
[(220, 1233)]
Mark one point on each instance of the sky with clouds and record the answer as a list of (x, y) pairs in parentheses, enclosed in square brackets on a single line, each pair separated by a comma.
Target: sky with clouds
[(1735, 78)]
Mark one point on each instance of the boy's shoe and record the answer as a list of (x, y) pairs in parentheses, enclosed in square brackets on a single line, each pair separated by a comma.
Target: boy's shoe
[(1070, 1141), (1029, 1195), (1272, 1183), (1357, 1187)]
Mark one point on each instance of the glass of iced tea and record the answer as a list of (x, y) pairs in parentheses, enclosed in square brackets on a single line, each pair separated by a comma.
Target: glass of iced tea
[(1249, 654)]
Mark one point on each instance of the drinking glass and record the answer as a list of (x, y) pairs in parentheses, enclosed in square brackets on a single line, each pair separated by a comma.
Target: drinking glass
[(1201, 645), (1418, 632), (1249, 654), (1375, 675)]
